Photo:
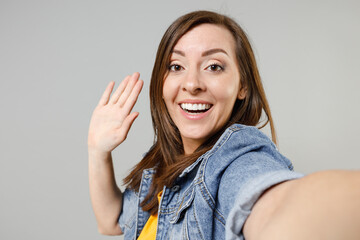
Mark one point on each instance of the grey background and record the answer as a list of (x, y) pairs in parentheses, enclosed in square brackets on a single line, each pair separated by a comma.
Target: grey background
[(56, 58)]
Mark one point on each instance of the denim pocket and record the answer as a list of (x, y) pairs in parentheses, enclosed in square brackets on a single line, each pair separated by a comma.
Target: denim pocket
[(185, 202)]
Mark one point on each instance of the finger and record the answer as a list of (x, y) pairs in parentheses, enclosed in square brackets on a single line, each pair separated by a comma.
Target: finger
[(130, 102), (129, 120), (115, 96), (132, 81), (105, 96)]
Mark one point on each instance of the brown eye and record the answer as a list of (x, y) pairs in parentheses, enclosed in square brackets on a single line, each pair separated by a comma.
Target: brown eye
[(215, 68), (175, 67)]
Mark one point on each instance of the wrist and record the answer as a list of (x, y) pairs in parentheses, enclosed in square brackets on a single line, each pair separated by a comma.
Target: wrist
[(98, 154)]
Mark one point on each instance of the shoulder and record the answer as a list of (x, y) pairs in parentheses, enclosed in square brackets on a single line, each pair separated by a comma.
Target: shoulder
[(243, 164), (239, 140), (242, 136), (241, 147)]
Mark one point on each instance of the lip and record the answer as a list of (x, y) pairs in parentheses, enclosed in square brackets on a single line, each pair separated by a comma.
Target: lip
[(198, 116)]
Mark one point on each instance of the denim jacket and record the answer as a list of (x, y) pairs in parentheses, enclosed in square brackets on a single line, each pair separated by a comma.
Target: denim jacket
[(212, 198)]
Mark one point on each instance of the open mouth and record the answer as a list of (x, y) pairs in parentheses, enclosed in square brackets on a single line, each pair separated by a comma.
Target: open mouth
[(196, 108)]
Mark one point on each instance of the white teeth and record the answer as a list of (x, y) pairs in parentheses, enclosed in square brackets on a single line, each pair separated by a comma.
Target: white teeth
[(195, 107)]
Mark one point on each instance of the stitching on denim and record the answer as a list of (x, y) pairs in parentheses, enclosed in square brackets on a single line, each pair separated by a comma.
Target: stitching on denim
[(179, 208), (169, 232), (206, 195), (220, 220), (228, 132), (185, 229), (216, 147), (139, 212), (217, 214), (168, 211), (201, 181), (224, 139), (127, 224), (197, 224)]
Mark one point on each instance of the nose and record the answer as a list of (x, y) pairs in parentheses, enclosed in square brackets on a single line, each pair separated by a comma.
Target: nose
[(192, 82)]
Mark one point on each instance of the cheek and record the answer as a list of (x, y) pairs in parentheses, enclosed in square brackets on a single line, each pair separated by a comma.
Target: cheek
[(225, 91), (169, 90)]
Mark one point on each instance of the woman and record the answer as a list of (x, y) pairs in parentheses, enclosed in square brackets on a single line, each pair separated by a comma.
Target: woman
[(210, 172)]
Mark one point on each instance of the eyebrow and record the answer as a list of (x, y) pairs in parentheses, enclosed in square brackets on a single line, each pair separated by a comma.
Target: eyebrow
[(204, 54)]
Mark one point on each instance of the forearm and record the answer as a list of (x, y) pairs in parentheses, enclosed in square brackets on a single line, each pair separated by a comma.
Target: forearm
[(323, 205), (109, 126), (105, 195)]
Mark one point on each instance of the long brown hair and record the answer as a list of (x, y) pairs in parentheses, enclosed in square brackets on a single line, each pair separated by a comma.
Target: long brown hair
[(167, 153)]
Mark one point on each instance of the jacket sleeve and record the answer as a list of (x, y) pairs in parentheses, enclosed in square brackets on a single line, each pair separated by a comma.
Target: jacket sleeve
[(127, 218), (245, 163), (245, 179), (256, 180)]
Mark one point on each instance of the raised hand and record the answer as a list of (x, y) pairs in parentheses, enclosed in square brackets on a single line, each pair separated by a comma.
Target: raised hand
[(112, 117)]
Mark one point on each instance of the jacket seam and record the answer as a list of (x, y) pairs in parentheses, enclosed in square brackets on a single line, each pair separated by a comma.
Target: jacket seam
[(211, 204), (127, 224), (197, 224), (204, 192)]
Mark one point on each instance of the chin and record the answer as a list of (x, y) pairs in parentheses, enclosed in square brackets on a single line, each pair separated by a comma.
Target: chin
[(198, 137)]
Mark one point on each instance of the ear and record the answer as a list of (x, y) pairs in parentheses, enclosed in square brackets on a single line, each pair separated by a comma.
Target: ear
[(242, 93)]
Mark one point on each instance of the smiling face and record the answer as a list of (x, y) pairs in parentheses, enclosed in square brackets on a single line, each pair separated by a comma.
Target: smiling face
[(202, 83)]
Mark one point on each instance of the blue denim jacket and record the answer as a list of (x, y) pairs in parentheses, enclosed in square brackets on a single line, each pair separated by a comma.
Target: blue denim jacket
[(212, 198)]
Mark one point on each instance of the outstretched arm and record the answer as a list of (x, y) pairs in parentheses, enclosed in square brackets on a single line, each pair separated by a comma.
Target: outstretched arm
[(109, 126), (322, 205)]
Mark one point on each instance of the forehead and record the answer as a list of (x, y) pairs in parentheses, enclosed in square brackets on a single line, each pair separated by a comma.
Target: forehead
[(206, 36)]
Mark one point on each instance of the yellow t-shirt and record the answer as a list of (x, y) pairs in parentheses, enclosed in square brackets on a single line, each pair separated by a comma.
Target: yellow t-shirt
[(149, 230)]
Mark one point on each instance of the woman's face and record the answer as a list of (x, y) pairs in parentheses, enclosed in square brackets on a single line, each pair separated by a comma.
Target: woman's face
[(202, 84)]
